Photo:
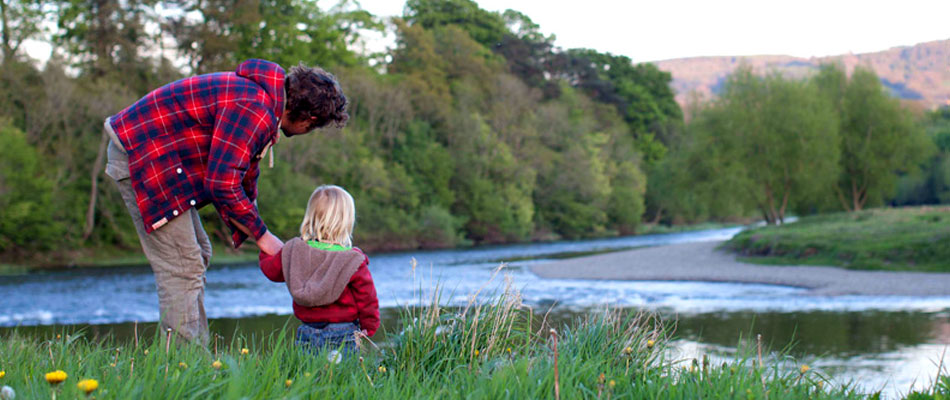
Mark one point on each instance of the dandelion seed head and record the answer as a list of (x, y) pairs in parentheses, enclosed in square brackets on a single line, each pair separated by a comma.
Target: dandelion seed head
[(7, 393)]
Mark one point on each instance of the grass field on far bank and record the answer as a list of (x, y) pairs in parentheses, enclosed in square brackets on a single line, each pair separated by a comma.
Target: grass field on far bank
[(898, 239), (489, 350)]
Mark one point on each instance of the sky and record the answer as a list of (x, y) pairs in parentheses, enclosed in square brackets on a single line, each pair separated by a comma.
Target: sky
[(664, 29)]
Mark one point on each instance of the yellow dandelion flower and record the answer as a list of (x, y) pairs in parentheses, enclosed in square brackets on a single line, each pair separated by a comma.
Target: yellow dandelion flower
[(288, 382), (650, 343), (612, 383), (3, 373), (216, 364), (58, 336), (476, 352), (805, 368), (627, 350), (600, 379), (382, 369), (182, 365), (306, 374), (146, 351), (509, 350), (244, 351), (88, 385), (55, 377), (820, 384)]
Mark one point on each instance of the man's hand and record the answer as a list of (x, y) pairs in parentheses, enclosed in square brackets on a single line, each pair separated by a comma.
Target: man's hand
[(269, 243)]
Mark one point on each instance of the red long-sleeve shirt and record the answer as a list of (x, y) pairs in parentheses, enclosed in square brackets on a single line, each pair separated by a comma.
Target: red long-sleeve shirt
[(358, 300)]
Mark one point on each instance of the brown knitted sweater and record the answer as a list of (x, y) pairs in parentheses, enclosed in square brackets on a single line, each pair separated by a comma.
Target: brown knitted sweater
[(317, 277)]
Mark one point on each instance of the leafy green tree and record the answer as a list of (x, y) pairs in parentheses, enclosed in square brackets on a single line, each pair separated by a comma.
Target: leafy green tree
[(485, 27), (27, 221), (879, 139), (932, 186), (105, 37), (283, 31), (771, 143), (641, 93), (19, 20)]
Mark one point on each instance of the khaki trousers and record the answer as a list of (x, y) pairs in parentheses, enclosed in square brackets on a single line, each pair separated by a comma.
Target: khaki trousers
[(178, 252)]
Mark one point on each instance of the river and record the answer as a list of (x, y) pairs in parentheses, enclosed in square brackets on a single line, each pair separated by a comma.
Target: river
[(878, 342)]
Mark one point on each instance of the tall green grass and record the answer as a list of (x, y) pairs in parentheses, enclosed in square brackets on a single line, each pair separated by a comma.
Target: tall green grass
[(491, 348)]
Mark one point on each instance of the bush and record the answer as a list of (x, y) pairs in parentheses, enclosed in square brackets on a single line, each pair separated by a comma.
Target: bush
[(26, 220)]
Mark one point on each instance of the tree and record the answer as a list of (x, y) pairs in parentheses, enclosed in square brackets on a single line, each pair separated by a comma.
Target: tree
[(878, 138), (283, 31), (27, 221), (768, 143), (19, 20), (485, 27), (105, 36), (640, 92)]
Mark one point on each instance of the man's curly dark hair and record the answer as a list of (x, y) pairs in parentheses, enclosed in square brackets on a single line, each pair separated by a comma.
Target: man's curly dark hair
[(313, 92)]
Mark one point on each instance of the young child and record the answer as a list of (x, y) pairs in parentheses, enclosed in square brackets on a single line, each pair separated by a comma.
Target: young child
[(329, 281)]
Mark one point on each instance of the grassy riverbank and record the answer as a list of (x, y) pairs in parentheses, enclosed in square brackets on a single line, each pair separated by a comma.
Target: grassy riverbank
[(899, 239), (496, 350)]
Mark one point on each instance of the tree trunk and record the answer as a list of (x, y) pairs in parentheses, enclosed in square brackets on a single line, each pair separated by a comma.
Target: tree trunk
[(844, 202), (855, 196), (94, 192), (770, 199), (5, 33), (658, 216)]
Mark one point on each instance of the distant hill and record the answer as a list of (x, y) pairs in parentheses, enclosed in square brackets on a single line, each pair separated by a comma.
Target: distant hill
[(919, 73)]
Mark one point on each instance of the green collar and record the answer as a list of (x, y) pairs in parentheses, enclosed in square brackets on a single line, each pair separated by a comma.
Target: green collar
[(327, 246)]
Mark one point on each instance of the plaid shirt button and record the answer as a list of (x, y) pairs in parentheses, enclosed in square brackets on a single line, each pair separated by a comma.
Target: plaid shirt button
[(178, 170), (175, 213), (192, 202)]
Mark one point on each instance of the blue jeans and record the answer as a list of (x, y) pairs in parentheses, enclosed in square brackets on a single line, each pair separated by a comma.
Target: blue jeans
[(334, 336)]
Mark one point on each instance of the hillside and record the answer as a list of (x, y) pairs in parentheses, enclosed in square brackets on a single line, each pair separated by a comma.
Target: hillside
[(919, 73)]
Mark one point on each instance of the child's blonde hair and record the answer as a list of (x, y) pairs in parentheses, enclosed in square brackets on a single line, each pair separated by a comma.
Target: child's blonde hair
[(330, 216)]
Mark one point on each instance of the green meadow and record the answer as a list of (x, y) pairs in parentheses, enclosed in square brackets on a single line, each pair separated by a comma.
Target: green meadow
[(899, 239)]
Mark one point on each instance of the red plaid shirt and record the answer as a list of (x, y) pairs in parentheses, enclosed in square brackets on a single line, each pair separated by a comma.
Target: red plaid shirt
[(199, 140)]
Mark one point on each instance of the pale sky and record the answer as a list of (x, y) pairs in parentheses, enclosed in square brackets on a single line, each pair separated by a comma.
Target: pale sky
[(663, 29)]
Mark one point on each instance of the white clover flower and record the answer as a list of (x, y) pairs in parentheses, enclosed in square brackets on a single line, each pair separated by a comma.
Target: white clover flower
[(334, 357), (7, 393)]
